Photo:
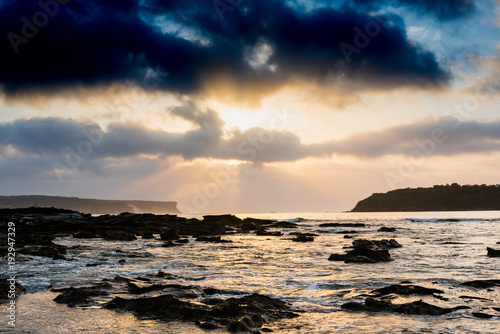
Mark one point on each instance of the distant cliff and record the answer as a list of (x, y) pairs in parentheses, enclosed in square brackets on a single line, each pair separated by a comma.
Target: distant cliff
[(94, 206), (438, 198)]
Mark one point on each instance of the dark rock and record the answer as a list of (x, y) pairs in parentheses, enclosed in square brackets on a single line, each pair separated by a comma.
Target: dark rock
[(387, 229), (92, 264), (284, 225), (207, 325), (342, 225), (337, 257), (249, 226), (493, 252), (169, 244), (360, 259), (215, 239), (148, 235), (482, 284), (413, 308), (482, 315), (237, 326), (7, 287), (182, 241), (348, 236), (367, 251), (118, 236), (59, 257), (85, 235), (45, 251), (406, 290), (122, 261), (303, 238), (78, 296), (347, 232), (268, 233), (170, 234), (472, 297)]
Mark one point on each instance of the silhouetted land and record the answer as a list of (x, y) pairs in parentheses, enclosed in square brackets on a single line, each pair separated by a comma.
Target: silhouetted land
[(438, 198), (94, 206)]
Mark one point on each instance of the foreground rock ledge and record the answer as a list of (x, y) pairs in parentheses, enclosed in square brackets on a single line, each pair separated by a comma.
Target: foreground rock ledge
[(172, 302)]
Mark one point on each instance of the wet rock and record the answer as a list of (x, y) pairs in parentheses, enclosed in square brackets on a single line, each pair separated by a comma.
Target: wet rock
[(367, 251), (118, 236), (45, 251), (482, 315), (249, 226), (268, 233), (413, 308), (147, 235), (215, 239), (207, 325), (169, 244), (303, 238), (342, 225), (360, 259), (78, 296), (85, 235), (170, 234), (284, 225), (59, 257), (405, 290), (7, 287), (387, 229), (493, 252), (482, 284)]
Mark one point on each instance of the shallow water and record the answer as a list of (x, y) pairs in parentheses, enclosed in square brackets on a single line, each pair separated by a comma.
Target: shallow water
[(443, 247)]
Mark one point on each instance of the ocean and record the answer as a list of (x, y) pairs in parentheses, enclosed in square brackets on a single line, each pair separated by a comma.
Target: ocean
[(440, 250)]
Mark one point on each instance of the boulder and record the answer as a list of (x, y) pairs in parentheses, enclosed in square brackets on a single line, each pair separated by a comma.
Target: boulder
[(170, 234)]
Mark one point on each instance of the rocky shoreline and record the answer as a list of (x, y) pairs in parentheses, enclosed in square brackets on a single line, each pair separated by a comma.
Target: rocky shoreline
[(155, 296)]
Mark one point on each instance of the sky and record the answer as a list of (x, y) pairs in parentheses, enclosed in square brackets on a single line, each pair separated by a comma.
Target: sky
[(247, 105)]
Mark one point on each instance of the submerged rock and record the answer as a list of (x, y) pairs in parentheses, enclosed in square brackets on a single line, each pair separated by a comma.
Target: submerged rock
[(387, 229), (406, 290), (482, 284), (413, 308), (303, 238), (216, 239), (493, 252)]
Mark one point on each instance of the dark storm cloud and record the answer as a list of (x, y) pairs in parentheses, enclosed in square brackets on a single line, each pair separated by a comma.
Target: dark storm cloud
[(75, 42), (442, 9)]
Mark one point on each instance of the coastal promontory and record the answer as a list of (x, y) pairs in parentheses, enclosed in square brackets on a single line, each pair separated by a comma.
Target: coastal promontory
[(452, 197)]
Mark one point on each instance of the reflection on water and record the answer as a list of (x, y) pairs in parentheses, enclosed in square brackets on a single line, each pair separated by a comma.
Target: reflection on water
[(445, 251)]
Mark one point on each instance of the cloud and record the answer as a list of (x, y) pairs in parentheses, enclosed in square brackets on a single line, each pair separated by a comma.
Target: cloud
[(182, 46), (442, 9), (84, 145)]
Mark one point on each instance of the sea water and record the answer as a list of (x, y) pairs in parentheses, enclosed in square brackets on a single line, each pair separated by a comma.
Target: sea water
[(444, 248)]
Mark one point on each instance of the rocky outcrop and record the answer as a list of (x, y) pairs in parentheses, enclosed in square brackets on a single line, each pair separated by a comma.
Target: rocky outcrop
[(175, 302), (367, 251), (438, 198)]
